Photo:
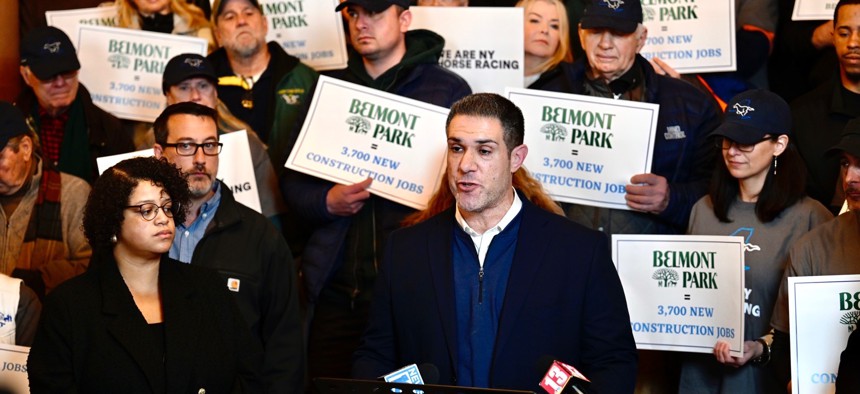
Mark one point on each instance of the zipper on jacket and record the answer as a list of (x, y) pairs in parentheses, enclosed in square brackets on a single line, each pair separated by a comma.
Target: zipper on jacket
[(481, 285)]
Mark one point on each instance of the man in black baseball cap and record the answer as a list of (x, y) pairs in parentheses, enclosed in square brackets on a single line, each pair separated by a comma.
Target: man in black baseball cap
[(384, 55), (72, 130), (848, 150), (37, 199), (191, 77), (373, 5)]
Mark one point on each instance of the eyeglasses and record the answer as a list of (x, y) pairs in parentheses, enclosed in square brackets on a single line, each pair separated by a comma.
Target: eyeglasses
[(726, 143), (150, 210), (67, 76), (190, 148)]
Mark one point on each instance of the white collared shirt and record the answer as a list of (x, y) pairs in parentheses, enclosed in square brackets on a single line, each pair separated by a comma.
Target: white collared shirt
[(482, 241)]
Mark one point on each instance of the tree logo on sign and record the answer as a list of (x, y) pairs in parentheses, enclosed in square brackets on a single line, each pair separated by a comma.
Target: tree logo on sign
[(850, 319), (665, 277)]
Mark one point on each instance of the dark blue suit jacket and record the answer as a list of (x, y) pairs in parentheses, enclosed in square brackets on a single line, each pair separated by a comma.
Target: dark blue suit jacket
[(563, 300)]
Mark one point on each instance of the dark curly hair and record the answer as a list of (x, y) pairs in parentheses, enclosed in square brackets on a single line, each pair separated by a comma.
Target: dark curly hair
[(103, 214)]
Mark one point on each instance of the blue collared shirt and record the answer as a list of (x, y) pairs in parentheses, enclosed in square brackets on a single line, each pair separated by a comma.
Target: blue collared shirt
[(186, 238)]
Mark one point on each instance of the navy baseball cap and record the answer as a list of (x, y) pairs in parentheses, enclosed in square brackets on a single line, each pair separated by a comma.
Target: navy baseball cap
[(849, 142), (218, 7), (373, 5), (184, 66), (619, 15), (753, 114), (48, 52), (12, 123)]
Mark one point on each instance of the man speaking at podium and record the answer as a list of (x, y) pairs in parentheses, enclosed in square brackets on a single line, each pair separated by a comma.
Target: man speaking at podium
[(489, 288)]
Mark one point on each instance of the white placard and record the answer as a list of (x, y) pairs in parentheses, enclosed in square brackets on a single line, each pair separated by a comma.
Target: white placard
[(584, 149), (13, 369), (822, 311), (353, 132), (813, 10), (483, 45), (122, 68), (692, 37), (684, 292), (309, 30), (235, 167), (69, 20)]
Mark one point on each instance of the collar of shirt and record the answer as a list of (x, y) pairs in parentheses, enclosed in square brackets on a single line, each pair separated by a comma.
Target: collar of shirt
[(482, 241), (187, 237)]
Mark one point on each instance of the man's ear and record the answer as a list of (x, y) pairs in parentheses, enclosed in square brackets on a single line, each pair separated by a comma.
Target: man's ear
[(25, 75), (158, 151), (26, 147), (405, 20), (643, 36), (518, 157)]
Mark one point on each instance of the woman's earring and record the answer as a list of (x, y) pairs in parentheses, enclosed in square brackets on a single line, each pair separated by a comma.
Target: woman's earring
[(113, 238), (774, 165)]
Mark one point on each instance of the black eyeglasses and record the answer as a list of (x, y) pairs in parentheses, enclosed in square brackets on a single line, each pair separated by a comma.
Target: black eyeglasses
[(150, 210), (190, 148), (726, 143)]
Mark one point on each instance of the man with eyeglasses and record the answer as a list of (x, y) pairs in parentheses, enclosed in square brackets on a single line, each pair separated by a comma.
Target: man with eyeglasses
[(191, 77), (41, 211), (242, 245), (72, 131)]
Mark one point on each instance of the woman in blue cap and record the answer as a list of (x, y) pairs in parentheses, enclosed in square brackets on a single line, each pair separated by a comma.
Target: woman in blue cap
[(757, 191)]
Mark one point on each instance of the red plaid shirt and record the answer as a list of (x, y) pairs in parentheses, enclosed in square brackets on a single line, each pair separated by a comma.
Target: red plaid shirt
[(51, 134)]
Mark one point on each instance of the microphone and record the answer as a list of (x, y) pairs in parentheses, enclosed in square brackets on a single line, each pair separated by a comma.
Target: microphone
[(414, 374), (562, 378)]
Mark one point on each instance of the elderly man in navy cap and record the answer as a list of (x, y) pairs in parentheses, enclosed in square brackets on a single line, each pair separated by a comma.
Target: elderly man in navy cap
[(72, 131), (612, 35), (41, 211)]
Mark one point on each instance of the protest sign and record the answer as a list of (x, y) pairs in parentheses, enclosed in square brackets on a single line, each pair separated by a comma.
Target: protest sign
[(122, 68), (692, 37), (353, 132), (309, 30), (823, 311), (813, 10), (69, 20), (684, 292), (584, 149), (484, 45), (13, 369)]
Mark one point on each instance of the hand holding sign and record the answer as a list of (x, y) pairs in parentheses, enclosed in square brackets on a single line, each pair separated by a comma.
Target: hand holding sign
[(648, 193), (722, 351), (342, 200)]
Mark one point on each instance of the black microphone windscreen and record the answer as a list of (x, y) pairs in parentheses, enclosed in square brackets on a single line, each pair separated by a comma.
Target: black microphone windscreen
[(543, 363), (429, 373)]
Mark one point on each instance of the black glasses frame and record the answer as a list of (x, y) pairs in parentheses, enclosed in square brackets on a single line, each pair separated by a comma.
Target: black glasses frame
[(196, 147), (152, 210)]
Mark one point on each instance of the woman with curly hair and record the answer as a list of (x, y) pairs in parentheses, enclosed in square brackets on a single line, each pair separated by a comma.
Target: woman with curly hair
[(138, 321), (165, 16)]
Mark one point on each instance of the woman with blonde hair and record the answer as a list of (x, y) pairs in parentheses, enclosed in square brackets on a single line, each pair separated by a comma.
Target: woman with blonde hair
[(546, 38), (165, 16)]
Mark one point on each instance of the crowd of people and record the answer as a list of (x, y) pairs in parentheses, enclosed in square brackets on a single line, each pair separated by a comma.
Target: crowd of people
[(151, 277)]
